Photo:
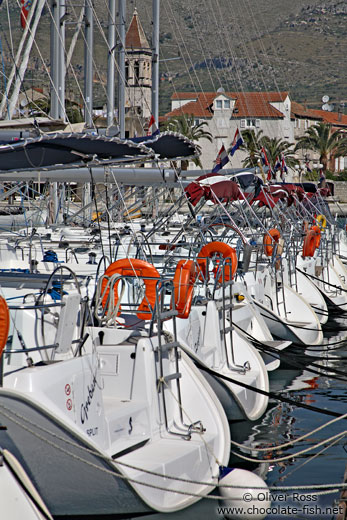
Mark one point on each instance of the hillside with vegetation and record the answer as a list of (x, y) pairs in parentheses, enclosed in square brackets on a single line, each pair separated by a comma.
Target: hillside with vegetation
[(251, 45)]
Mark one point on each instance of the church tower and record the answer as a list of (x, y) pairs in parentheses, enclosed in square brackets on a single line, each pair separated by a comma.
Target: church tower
[(138, 77)]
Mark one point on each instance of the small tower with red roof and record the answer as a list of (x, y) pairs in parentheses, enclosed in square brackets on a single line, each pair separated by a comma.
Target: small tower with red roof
[(138, 77)]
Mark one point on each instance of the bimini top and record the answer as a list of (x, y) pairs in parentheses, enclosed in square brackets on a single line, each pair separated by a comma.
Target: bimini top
[(68, 150), (169, 145)]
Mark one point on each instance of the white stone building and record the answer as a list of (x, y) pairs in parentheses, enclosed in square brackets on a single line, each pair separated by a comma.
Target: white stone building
[(224, 112)]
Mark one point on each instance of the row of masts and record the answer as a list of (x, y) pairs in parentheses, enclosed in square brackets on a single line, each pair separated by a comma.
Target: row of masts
[(60, 60)]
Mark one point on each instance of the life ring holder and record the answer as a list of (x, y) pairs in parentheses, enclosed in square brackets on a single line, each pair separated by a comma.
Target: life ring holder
[(4, 324), (135, 268), (270, 237), (317, 231), (184, 279), (223, 251), (309, 246), (322, 221)]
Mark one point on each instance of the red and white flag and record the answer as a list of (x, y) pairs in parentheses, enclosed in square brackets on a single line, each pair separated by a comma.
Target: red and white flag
[(26, 5), (152, 127)]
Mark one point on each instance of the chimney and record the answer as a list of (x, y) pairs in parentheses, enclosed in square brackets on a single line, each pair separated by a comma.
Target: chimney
[(341, 110)]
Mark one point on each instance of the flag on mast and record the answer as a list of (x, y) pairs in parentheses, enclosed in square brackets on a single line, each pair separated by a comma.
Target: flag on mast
[(26, 4), (307, 165), (265, 162), (278, 165), (152, 127), (284, 168), (221, 160), (237, 142)]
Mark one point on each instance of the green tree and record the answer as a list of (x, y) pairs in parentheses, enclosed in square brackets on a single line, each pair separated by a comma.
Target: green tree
[(321, 139), (274, 148), (186, 126), (251, 145)]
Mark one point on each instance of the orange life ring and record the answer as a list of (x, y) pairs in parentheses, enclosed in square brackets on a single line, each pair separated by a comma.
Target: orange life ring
[(135, 268), (223, 251), (309, 246), (183, 282), (273, 235), (317, 230), (4, 324)]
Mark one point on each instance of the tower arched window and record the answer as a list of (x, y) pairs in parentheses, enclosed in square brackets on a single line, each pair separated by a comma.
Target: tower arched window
[(127, 71), (136, 72)]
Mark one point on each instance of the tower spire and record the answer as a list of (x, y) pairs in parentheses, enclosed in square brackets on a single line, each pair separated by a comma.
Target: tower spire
[(135, 37)]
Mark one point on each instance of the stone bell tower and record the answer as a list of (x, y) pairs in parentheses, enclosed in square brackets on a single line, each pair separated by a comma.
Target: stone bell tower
[(138, 77)]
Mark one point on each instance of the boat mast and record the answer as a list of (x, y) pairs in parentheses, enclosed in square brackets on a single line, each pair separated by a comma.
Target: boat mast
[(23, 66), (88, 64), (61, 60), (17, 59), (121, 68), (155, 61), (111, 41), (54, 60), (57, 51)]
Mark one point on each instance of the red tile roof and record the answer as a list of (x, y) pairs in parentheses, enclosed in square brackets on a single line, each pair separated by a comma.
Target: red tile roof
[(247, 104), (333, 118), (258, 104), (298, 110), (135, 37), (272, 96)]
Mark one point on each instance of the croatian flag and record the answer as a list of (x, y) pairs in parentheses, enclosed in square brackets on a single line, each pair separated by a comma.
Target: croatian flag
[(283, 165), (155, 129), (221, 160), (237, 142), (264, 158), (25, 7), (278, 164), (265, 162)]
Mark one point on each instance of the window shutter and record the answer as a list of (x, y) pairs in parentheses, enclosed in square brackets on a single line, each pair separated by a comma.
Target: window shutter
[(257, 123)]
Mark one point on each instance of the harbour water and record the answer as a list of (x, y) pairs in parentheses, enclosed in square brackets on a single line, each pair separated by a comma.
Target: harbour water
[(285, 422)]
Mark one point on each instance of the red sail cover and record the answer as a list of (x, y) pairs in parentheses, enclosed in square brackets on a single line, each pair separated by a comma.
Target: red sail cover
[(26, 4), (270, 195), (213, 187)]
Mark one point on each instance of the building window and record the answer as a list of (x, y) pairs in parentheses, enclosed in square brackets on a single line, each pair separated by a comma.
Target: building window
[(219, 103), (250, 123), (126, 71), (227, 103), (136, 72)]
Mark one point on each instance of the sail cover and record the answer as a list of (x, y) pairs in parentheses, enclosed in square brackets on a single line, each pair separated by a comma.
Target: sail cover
[(66, 150), (214, 187), (169, 145)]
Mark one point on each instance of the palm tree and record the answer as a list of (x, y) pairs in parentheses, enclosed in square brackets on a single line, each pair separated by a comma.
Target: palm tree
[(319, 138), (275, 148), (341, 149), (251, 144), (186, 126)]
